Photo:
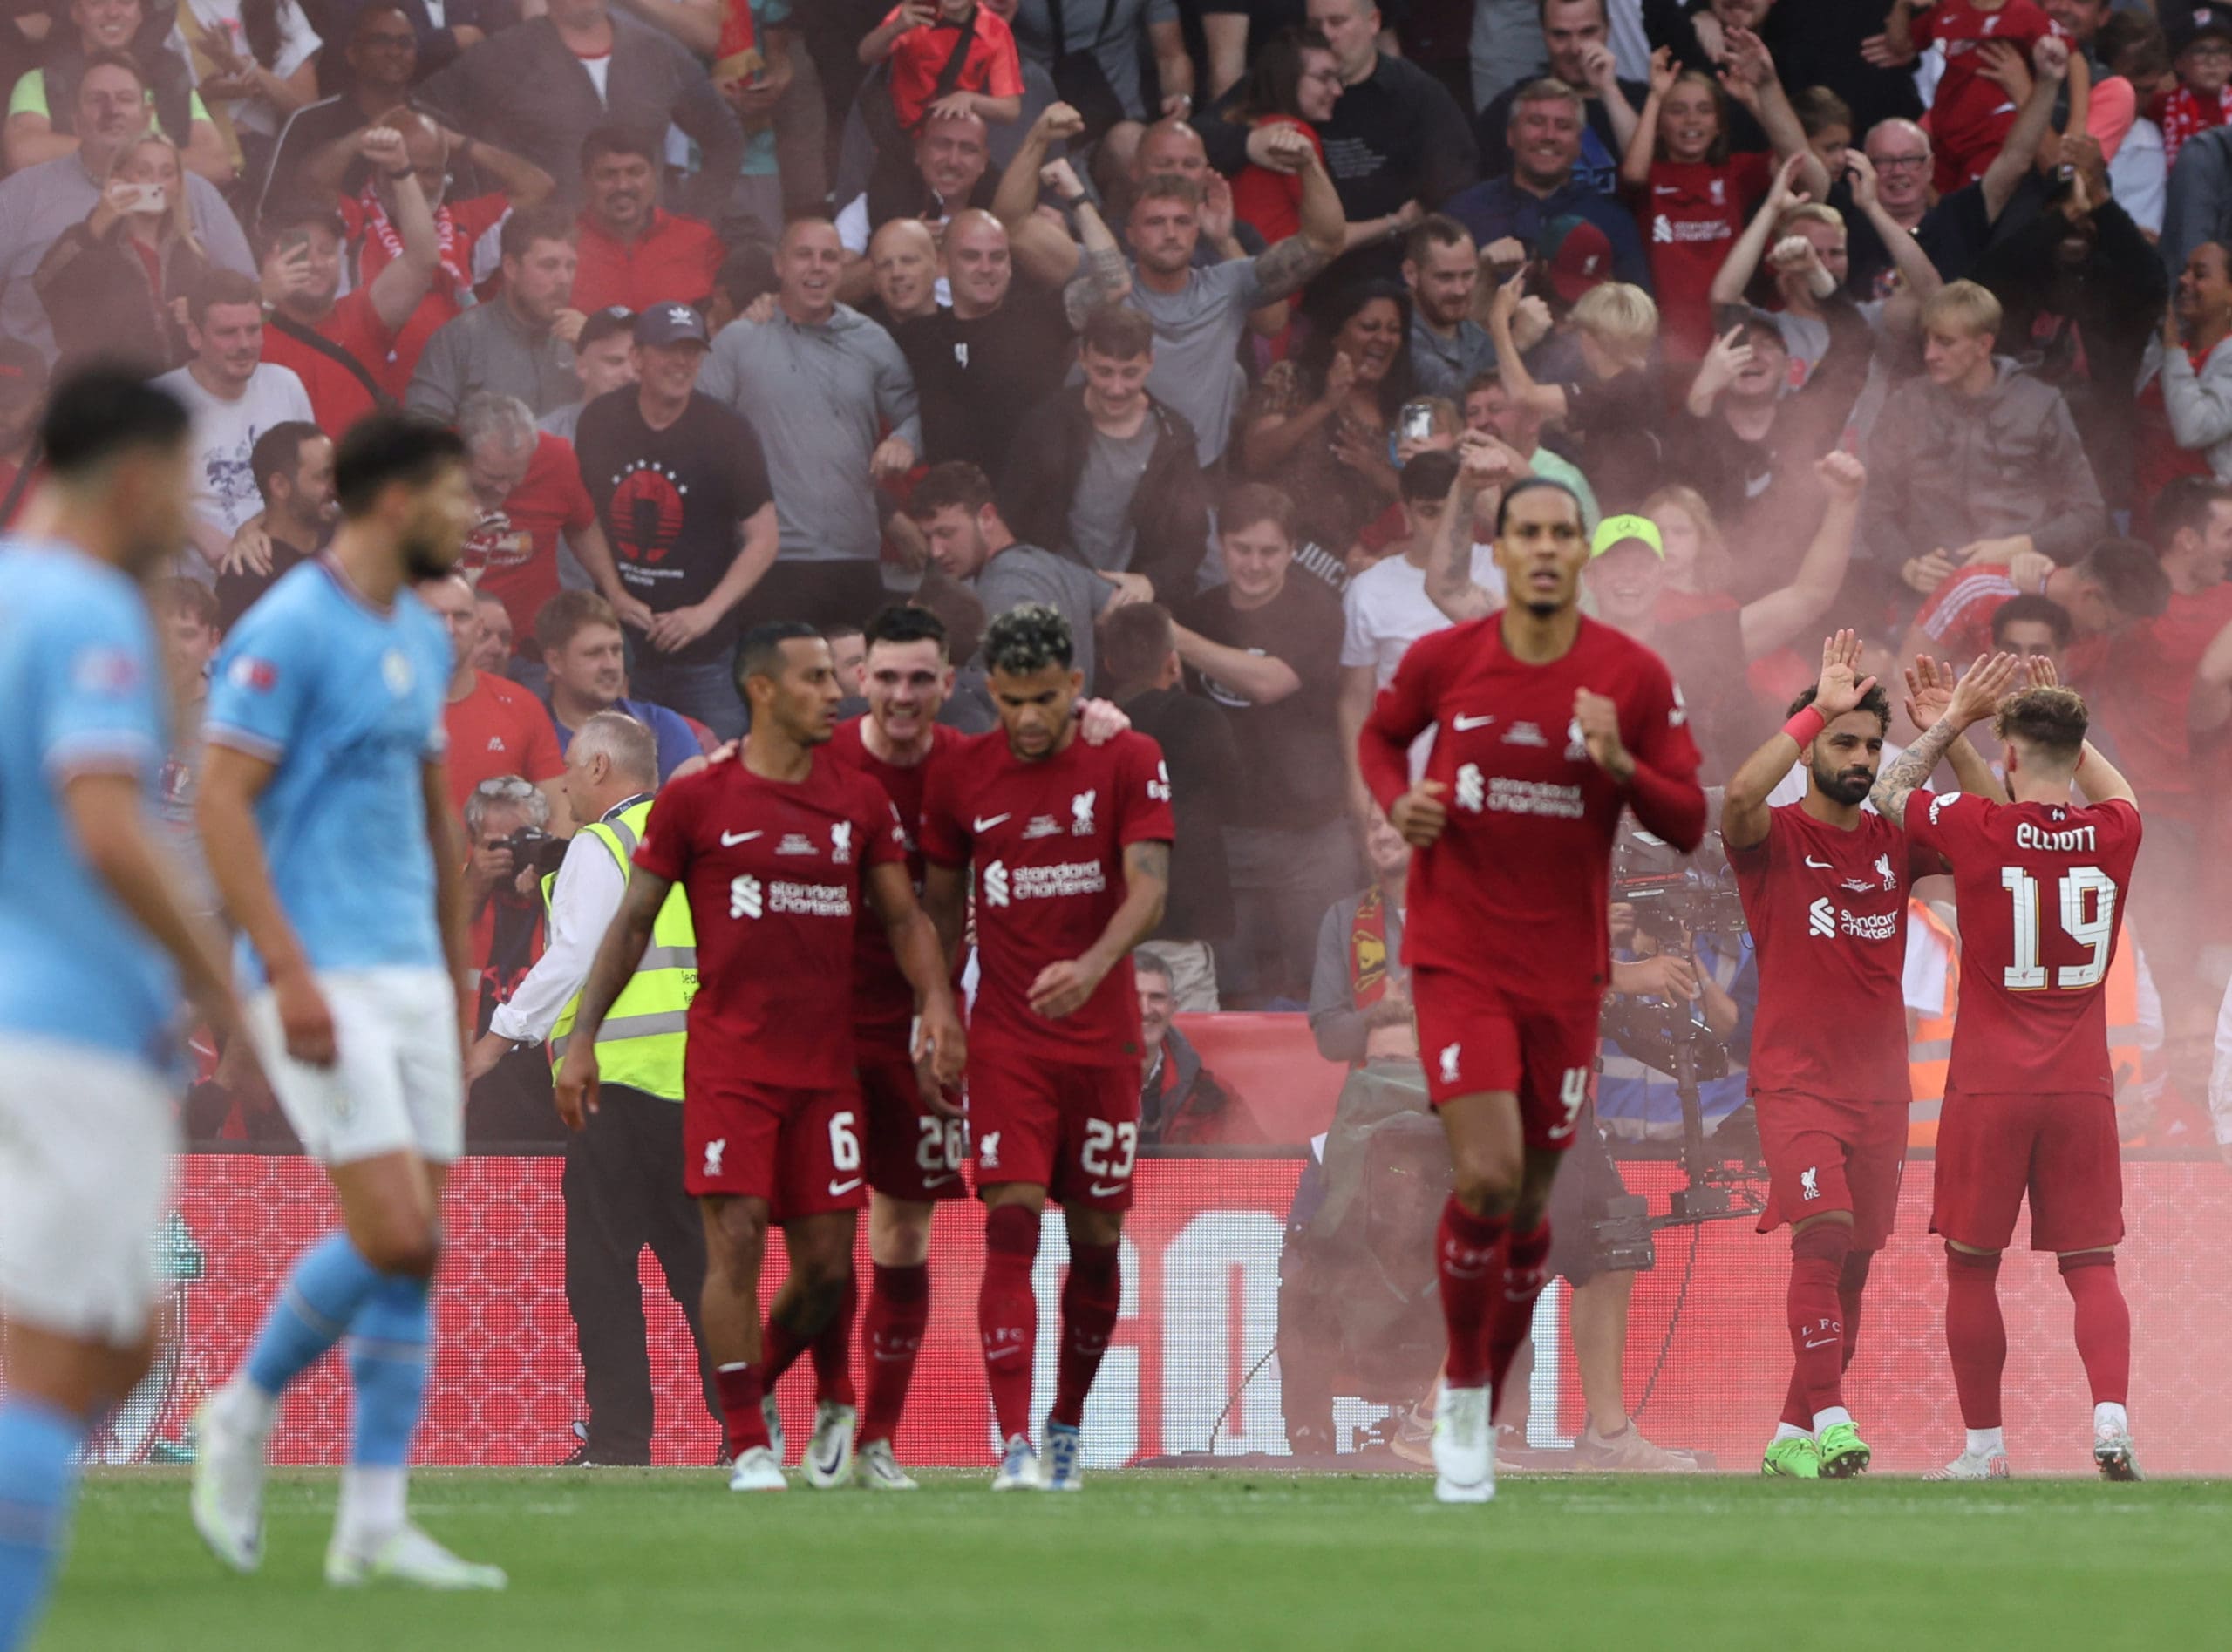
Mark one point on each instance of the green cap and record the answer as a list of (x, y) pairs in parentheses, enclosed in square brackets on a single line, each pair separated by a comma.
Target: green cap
[(1614, 530)]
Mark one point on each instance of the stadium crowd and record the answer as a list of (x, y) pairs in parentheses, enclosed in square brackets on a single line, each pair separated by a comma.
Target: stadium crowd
[(1218, 326)]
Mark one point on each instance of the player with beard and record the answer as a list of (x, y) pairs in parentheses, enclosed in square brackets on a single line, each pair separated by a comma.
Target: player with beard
[(1548, 726), (777, 852), (1071, 846), (1824, 886), (326, 818)]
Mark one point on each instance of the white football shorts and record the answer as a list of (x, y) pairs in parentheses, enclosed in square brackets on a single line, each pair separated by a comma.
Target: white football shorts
[(85, 1143), (397, 1084)]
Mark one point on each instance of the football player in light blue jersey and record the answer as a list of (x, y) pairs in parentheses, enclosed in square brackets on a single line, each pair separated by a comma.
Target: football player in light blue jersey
[(95, 944), (325, 814)]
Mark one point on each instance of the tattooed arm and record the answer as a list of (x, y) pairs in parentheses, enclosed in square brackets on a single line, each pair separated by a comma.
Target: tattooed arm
[(1284, 269), (1974, 697)]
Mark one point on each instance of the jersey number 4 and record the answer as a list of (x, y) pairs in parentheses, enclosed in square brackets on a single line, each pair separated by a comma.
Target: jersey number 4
[(2088, 917)]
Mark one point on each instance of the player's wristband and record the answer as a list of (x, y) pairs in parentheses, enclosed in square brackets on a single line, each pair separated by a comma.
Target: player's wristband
[(1805, 724)]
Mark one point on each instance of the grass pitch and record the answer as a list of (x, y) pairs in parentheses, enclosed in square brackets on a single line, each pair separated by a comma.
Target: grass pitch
[(614, 1560)]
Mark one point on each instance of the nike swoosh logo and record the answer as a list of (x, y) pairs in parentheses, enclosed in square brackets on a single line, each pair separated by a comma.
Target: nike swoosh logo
[(981, 824), (836, 1458), (1001, 1353), (883, 1358), (940, 1181), (839, 1189), (1826, 1342), (1461, 724), (730, 840), (1818, 866), (1106, 1190)]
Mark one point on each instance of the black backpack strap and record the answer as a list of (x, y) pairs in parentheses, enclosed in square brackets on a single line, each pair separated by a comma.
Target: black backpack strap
[(309, 340)]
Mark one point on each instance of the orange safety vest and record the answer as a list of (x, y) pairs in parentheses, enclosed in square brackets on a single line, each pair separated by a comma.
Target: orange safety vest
[(1931, 1050)]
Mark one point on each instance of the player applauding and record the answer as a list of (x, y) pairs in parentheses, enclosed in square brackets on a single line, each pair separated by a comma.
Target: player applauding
[(1824, 884), (1548, 725), (775, 852), (1071, 844), (2030, 1097)]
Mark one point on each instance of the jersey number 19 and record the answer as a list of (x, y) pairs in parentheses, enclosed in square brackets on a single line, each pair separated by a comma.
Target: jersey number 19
[(2088, 917)]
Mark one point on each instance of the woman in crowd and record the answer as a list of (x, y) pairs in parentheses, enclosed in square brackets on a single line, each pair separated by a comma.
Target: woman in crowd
[(114, 285), (1296, 83), (257, 62)]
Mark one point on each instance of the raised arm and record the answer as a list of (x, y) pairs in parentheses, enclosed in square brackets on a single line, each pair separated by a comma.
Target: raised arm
[(1920, 276), (1482, 463), (1745, 816), (1547, 400), (1642, 145), (1284, 269), (1016, 202), (1929, 689), (2051, 65), (1733, 278), (402, 282), (1751, 80), (1774, 619), (1973, 699)]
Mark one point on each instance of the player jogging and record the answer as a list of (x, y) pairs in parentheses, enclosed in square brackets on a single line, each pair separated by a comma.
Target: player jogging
[(2030, 1097), (1071, 846), (326, 816), (97, 945), (775, 852), (1547, 724), (1825, 889)]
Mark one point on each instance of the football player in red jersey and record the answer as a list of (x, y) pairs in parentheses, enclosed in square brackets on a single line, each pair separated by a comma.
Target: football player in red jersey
[(2030, 1098), (1547, 724), (1071, 846), (1824, 886), (774, 852)]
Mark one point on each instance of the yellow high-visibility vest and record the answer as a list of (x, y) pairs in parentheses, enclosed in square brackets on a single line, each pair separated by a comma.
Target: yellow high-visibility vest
[(641, 1042)]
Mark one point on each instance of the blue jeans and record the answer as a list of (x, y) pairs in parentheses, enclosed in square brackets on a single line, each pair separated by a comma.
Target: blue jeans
[(706, 692)]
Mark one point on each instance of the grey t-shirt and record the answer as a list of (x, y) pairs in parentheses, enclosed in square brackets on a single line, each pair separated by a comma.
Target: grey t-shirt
[(1026, 574), (1196, 343), (1100, 513), (1117, 47)]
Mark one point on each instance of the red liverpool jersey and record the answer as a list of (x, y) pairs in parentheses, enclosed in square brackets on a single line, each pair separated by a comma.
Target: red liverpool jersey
[(773, 872), (1047, 840), (1827, 910), (1515, 892), (883, 1003), (2041, 890)]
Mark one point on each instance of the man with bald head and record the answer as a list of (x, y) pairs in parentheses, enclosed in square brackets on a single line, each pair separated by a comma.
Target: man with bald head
[(990, 353), (952, 169), (903, 269), (822, 383)]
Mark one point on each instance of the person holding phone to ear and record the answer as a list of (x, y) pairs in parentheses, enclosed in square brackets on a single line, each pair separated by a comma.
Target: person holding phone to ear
[(112, 285)]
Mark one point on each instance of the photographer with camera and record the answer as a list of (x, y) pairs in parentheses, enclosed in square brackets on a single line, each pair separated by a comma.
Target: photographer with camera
[(1825, 889), (506, 835)]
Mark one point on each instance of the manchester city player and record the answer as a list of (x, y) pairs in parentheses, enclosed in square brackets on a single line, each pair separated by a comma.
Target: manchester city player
[(95, 948), (331, 839)]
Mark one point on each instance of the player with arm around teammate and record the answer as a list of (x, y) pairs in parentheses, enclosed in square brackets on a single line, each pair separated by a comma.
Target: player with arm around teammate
[(1070, 843), (2030, 1097), (776, 851), (1548, 725)]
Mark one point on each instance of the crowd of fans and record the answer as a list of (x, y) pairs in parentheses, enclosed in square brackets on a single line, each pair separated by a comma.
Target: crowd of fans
[(1219, 325)]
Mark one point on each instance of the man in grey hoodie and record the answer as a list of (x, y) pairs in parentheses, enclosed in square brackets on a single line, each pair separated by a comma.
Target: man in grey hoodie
[(821, 383), (1974, 461)]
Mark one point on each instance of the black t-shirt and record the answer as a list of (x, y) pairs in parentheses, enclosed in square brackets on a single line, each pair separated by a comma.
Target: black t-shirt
[(670, 501), (976, 378), (237, 592), (1291, 771), (1615, 424), (1197, 744)]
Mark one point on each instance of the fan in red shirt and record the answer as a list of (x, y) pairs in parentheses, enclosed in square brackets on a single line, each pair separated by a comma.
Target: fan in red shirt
[(1824, 886), (529, 488), (1071, 846), (1296, 82), (632, 254), (1548, 725), (2030, 1096), (948, 57), (2115, 584), (495, 727), (339, 347), (1970, 115), (1691, 197), (776, 853)]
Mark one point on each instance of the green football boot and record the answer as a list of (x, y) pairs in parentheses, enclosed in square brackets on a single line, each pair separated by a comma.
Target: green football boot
[(1797, 1458), (1843, 1453)]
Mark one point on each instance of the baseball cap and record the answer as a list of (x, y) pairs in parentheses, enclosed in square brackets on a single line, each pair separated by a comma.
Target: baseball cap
[(2185, 23), (671, 324), (1619, 530), (1578, 254)]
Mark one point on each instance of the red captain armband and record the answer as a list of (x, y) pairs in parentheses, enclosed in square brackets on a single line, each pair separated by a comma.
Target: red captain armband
[(1805, 723)]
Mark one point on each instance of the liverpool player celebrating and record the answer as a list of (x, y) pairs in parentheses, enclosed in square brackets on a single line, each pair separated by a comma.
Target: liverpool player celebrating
[(2029, 1097), (1071, 845), (772, 851), (1824, 884), (1548, 725)]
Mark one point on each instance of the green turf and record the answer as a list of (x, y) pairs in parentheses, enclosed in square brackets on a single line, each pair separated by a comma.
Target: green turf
[(617, 1559)]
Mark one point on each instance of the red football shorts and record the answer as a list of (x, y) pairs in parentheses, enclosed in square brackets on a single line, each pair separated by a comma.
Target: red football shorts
[(1475, 1038), (2061, 1149), (1072, 1130), (799, 1150), (1825, 1155), (912, 1153)]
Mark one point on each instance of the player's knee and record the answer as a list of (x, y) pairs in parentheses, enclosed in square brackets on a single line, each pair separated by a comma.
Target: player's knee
[(1487, 1182), (737, 1239), (899, 1235), (410, 1247)]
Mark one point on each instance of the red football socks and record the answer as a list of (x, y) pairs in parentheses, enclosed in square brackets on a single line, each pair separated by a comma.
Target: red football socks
[(832, 1351), (1816, 1318), (2103, 1323), (780, 1348), (891, 1330), (1850, 1283), (1007, 1314), (1466, 1262), (740, 1391), (1976, 1337), (1512, 1315), (1092, 1296)]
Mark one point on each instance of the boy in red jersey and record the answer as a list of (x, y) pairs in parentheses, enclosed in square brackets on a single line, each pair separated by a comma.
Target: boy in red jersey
[(2030, 1100), (1071, 846), (1824, 886), (1548, 725), (774, 852)]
